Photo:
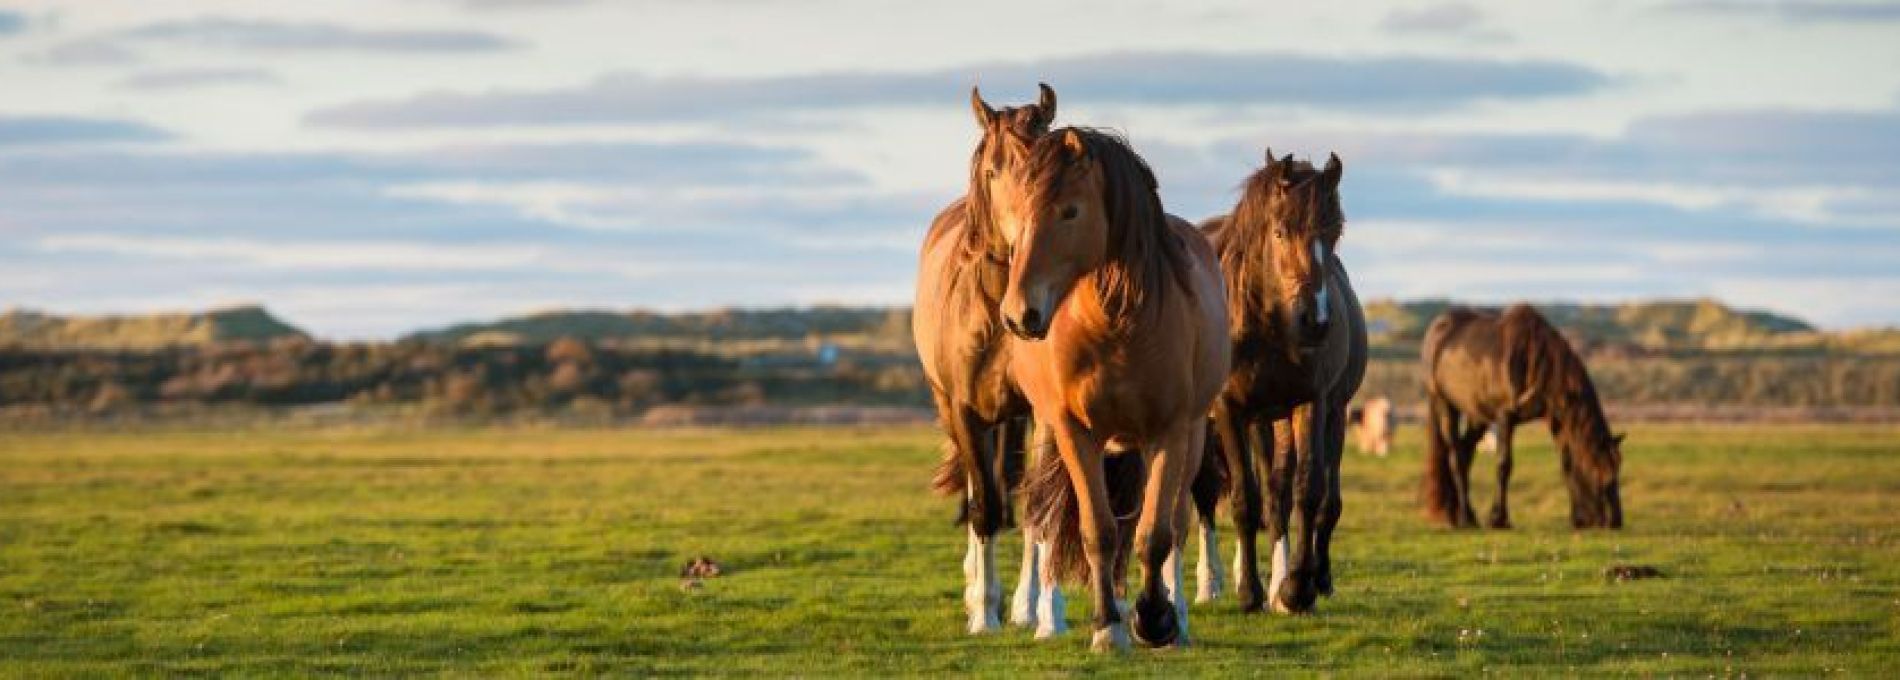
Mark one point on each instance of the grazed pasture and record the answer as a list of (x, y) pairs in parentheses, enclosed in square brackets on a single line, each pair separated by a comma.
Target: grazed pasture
[(523, 551)]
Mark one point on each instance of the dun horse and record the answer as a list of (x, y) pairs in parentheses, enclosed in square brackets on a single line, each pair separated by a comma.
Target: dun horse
[(1484, 369), (1298, 339), (1372, 425), (960, 342), (1119, 324)]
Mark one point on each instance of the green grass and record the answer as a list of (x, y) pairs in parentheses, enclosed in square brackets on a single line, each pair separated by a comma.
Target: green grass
[(526, 552)]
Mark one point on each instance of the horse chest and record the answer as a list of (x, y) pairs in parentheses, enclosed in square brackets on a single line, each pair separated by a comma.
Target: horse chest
[(1266, 381)]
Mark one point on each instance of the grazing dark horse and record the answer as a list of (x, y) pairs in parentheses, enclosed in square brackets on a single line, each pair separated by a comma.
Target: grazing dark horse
[(1298, 339), (1484, 369), (960, 281), (1119, 325)]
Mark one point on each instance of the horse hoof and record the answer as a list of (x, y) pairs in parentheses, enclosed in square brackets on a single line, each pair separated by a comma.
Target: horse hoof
[(1049, 630), (1252, 599), (984, 624), (1498, 522), (1114, 638), (1022, 610), (1292, 599), (1324, 585), (1208, 591), (1154, 622)]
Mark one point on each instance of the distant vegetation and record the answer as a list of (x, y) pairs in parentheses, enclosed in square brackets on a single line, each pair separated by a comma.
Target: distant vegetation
[(610, 364), (30, 329)]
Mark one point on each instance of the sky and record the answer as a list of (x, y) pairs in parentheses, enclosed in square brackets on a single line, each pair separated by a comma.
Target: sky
[(365, 169)]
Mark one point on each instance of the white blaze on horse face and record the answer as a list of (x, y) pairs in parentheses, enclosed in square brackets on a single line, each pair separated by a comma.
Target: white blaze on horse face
[(1320, 297), (1022, 606), (982, 592), (1207, 571)]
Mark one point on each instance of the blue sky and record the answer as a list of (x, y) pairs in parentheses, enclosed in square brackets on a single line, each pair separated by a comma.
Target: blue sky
[(368, 168)]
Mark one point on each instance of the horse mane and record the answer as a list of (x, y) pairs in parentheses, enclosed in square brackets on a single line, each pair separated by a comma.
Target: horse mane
[(1543, 365), (1142, 250), (1019, 124), (1245, 229)]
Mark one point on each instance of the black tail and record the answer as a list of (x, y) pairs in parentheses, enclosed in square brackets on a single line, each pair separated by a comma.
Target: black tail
[(1211, 483), (950, 479), (1050, 503)]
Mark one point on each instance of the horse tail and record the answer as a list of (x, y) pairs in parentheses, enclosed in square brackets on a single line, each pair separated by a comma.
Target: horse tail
[(1211, 482), (1052, 506), (1438, 491)]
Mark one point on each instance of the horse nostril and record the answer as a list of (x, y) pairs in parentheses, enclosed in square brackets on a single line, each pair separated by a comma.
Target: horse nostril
[(1032, 320)]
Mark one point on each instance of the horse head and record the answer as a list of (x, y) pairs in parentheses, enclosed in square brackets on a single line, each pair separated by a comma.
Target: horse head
[(1298, 207), (1007, 135)]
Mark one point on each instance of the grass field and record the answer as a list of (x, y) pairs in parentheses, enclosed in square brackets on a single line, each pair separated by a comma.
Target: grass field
[(520, 551)]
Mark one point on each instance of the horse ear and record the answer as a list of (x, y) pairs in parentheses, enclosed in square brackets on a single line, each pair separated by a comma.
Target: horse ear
[(1078, 147), (1046, 104), (1285, 163), (1270, 159), (1334, 169), (984, 114)]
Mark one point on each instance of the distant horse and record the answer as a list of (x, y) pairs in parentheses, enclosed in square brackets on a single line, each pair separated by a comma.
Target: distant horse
[(1484, 369), (960, 280), (1298, 339), (1119, 329), (1372, 426)]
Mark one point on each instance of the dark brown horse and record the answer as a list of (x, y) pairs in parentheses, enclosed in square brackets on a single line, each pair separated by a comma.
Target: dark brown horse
[(1119, 321), (960, 279), (1484, 369), (1298, 340)]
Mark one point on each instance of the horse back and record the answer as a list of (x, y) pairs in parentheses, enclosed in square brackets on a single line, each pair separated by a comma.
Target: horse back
[(1466, 363)]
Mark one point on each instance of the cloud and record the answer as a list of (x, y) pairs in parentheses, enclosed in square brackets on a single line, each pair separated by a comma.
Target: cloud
[(304, 254), (1799, 11), (196, 78), (93, 51), (11, 23), (16, 131), (1454, 19), (255, 34), (258, 35), (1152, 78)]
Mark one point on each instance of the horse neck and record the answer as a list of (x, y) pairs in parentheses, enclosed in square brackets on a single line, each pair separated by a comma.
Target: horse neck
[(1579, 423), (1253, 289)]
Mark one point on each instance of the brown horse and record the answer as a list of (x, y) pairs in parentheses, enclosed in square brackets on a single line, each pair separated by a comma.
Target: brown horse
[(1484, 369), (1298, 340), (1119, 324), (960, 279)]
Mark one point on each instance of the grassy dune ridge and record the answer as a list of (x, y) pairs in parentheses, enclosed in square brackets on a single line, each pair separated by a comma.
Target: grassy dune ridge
[(526, 551)]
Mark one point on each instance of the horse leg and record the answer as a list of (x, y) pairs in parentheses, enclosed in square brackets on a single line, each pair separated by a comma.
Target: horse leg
[(1209, 577), (1296, 594), (1501, 509), (1082, 458), (1276, 467), (1160, 614), (1465, 450), (982, 590), (1038, 601), (1022, 604), (1244, 503), (1334, 505)]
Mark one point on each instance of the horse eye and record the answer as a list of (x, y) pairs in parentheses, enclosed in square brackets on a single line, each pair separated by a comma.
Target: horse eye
[(1068, 213), (1280, 233)]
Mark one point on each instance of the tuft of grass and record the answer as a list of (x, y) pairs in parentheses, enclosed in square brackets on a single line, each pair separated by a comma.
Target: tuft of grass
[(530, 552)]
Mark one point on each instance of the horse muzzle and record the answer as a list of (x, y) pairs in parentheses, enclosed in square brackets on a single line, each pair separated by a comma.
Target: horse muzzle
[(1029, 324)]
